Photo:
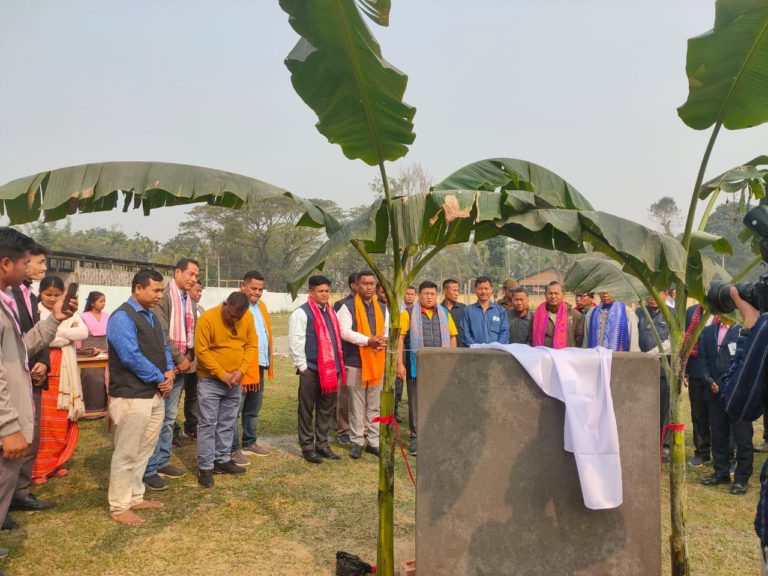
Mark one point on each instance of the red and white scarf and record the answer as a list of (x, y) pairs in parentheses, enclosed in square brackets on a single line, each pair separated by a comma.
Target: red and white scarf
[(182, 339), (326, 362)]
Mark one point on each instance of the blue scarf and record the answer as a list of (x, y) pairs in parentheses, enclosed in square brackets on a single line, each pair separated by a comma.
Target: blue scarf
[(616, 335), (417, 336)]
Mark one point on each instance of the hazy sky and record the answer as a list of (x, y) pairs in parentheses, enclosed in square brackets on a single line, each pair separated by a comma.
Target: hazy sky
[(586, 88)]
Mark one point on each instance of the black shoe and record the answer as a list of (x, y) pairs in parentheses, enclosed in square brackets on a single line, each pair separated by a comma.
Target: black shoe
[(205, 479), (312, 457), (356, 451), (412, 449), (30, 503), (343, 438), (154, 482), (9, 524), (327, 453), (227, 467), (170, 471), (398, 418), (715, 479), (4, 554), (739, 488), (372, 450)]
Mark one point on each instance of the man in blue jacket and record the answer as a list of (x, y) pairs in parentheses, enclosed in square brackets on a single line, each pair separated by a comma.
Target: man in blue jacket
[(484, 321), (717, 347)]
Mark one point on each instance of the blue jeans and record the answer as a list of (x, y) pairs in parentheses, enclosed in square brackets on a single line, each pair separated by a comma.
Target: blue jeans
[(250, 406), (162, 454), (218, 405)]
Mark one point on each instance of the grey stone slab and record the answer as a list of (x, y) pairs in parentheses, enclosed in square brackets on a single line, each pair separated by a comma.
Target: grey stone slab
[(498, 495)]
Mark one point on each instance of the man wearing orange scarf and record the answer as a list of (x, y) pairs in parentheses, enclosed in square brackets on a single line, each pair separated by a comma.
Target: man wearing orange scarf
[(364, 325)]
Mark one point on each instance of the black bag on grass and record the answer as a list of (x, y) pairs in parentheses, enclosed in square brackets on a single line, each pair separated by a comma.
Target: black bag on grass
[(350, 565)]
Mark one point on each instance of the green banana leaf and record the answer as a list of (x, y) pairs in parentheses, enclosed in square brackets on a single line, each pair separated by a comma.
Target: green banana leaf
[(149, 185), (593, 274), (338, 70), (748, 176), (727, 68), (513, 174)]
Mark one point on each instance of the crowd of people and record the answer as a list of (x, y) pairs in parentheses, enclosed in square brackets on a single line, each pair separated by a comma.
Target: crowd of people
[(161, 343)]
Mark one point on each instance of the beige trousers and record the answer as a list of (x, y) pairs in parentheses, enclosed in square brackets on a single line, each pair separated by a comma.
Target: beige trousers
[(364, 406), (137, 427)]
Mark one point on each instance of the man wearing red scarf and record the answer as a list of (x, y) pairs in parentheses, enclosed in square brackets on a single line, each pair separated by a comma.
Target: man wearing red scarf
[(314, 343)]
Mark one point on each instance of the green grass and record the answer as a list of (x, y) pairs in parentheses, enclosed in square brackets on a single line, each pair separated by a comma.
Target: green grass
[(287, 517), (283, 517)]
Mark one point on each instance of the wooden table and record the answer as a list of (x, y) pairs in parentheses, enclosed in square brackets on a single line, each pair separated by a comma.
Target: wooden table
[(100, 361)]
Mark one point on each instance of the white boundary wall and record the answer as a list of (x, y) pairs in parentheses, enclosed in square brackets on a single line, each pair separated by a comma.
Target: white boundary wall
[(116, 295)]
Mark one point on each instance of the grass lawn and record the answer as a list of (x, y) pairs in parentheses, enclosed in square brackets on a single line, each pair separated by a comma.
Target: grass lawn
[(285, 516)]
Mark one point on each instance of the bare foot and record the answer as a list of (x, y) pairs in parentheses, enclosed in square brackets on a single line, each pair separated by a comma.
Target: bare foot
[(147, 505), (128, 517)]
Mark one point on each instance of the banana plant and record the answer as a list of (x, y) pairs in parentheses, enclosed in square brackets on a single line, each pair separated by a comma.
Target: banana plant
[(338, 70)]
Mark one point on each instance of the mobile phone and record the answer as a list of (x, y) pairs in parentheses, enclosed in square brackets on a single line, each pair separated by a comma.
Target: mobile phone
[(71, 293)]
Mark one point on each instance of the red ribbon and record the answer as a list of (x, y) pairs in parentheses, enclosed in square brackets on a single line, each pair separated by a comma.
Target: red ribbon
[(388, 421), (668, 426)]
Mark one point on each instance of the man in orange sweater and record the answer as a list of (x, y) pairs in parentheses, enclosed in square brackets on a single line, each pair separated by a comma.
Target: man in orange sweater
[(226, 345)]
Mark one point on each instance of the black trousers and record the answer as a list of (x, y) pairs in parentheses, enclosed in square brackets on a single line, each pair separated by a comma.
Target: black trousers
[(664, 408), (722, 426), (314, 405), (190, 404), (699, 417), (398, 393)]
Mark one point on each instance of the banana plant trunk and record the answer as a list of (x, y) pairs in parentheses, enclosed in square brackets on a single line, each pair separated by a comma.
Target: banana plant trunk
[(678, 489), (387, 440)]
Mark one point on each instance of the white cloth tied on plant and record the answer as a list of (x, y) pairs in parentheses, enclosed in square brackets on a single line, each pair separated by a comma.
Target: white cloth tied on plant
[(581, 379)]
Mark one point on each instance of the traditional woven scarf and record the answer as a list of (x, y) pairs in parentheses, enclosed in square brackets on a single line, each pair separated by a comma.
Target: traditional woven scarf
[(417, 335), (180, 315), (326, 362), (372, 360), (70, 395), (691, 327), (540, 321), (616, 334), (251, 381)]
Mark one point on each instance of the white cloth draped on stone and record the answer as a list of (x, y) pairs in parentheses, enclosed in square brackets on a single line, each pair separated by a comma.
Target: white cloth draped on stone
[(581, 379)]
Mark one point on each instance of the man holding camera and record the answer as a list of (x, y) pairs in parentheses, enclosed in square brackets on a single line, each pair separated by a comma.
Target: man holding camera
[(744, 394)]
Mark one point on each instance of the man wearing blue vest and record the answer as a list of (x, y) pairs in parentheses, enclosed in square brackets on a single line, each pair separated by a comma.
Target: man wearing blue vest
[(423, 325), (141, 375)]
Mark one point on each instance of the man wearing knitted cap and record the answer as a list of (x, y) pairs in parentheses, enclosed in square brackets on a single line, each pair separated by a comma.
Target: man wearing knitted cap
[(508, 293)]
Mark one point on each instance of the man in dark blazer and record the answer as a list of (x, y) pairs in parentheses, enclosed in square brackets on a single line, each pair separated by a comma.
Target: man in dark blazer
[(39, 363), (717, 346)]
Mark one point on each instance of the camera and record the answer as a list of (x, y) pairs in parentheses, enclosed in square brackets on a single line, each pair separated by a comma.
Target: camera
[(756, 293)]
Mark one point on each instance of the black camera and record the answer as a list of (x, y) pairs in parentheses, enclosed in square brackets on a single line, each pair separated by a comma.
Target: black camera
[(756, 293)]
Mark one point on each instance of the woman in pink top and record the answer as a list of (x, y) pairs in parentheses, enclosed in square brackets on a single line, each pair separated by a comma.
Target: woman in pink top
[(94, 379)]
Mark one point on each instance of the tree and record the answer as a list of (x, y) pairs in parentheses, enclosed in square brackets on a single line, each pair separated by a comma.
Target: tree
[(665, 213), (263, 233)]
